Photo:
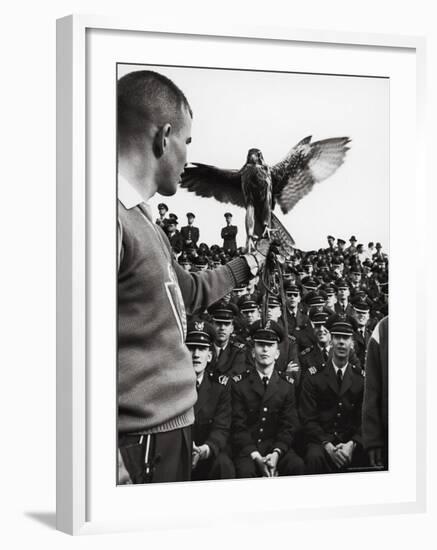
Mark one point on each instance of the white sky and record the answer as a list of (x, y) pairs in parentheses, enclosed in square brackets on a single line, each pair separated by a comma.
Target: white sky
[(237, 110)]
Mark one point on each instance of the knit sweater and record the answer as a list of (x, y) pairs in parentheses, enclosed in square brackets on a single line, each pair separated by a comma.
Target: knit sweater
[(375, 405), (156, 380)]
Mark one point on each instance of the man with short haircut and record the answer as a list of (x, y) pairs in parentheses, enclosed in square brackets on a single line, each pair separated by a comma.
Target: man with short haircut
[(212, 411), (330, 409), (189, 233), (156, 381), (264, 417)]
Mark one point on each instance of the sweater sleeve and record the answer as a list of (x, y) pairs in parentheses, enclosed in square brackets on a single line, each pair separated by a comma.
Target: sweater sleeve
[(201, 289)]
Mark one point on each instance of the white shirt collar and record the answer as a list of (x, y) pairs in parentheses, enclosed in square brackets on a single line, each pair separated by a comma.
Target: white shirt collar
[(339, 368), (129, 196), (219, 348), (200, 378), (268, 373)]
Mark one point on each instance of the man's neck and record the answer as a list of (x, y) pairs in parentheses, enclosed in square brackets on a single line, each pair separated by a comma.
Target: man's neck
[(222, 345), (265, 370), (135, 168), (340, 362)]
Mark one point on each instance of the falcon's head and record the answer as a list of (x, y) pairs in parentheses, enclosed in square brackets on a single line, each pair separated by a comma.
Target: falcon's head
[(254, 156)]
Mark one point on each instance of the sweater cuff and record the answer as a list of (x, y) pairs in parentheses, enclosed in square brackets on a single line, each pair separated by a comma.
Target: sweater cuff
[(240, 270)]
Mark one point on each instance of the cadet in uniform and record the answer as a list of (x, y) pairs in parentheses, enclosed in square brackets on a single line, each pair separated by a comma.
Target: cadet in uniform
[(343, 307), (173, 234), (189, 233), (162, 220), (212, 411), (296, 318), (317, 355), (330, 409), (264, 416), (362, 333), (288, 360), (229, 234), (230, 356)]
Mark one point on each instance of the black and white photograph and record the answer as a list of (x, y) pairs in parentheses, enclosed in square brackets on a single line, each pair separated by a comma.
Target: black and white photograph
[(253, 273)]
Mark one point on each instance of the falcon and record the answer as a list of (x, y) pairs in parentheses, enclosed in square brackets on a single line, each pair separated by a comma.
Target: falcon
[(258, 187)]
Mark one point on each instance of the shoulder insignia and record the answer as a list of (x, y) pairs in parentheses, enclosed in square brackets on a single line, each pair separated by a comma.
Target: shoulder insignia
[(312, 370), (237, 377), (238, 345), (358, 370), (292, 338), (306, 350), (223, 379), (286, 376)]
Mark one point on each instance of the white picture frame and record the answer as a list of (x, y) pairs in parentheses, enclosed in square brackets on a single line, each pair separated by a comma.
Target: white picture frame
[(79, 425)]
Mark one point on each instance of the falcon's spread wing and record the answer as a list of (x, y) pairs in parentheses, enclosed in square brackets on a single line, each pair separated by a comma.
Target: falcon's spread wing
[(306, 164), (210, 181)]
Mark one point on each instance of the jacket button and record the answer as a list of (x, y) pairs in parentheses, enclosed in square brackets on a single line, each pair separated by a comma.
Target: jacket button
[(265, 409), (259, 440), (263, 419), (340, 404), (338, 414), (261, 430)]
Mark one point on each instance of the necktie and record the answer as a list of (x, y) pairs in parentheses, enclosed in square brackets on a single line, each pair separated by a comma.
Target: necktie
[(339, 377), (265, 381), (325, 354), (197, 385)]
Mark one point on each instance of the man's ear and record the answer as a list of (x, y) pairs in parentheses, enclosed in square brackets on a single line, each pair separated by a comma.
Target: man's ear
[(209, 359), (160, 140)]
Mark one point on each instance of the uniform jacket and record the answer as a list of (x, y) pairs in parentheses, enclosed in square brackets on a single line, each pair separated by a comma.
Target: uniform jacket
[(361, 344), (175, 241), (348, 312), (262, 420), (213, 412), (312, 357), (375, 408), (305, 336), (228, 234), (330, 413), (189, 233), (285, 357), (298, 321), (232, 360)]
